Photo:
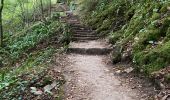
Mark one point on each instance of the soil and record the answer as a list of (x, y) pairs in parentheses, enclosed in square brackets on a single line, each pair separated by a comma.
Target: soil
[(88, 77)]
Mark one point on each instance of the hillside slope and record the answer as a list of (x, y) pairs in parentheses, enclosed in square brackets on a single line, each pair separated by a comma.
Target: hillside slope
[(139, 30)]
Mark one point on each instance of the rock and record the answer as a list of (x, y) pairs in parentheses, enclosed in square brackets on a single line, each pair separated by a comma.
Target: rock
[(128, 70), (116, 58), (168, 8), (35, 91), (48, 88), (151, 42), (116, 55), (126, 57), (118, 72), (38, 92)]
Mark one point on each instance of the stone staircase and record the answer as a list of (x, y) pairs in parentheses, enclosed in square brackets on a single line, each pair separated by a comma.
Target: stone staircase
[(81, 32), (85, 40)]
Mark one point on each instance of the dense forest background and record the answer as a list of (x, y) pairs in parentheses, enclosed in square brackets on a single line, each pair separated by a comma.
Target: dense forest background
[(18, 14)]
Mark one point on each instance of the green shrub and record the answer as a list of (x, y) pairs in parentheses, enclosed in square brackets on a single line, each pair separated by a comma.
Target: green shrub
[(20, 44)]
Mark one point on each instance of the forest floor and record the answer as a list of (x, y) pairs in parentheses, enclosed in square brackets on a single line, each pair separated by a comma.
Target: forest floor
[(90, 75)]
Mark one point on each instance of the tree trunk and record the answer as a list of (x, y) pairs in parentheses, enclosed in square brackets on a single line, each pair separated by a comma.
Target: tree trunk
[(50, 7), (22, 12), (42, 10), (1, 27), (27, 13)]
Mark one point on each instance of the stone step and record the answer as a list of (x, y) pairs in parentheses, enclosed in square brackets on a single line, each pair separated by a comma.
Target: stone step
[(84, 38), (74, 20), (84, 35), (80, 41), (90, 51), (82, 30), (76, 25), (85, 32)]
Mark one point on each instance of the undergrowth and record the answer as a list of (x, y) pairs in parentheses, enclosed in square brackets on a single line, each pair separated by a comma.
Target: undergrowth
[(12, 83), (25, 58), (141, 29), (19, 45)]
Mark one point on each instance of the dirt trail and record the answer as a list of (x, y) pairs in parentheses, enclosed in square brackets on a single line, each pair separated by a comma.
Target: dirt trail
[(87, 72), (88, 77)]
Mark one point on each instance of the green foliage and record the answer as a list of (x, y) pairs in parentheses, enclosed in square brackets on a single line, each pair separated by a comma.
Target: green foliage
[(104, 14), (147, 25), (113, 38), (153, 60), (143, 26), (19, 45), (55, 16), (17, 14), (66, 36), (27, 49), (11, 81)]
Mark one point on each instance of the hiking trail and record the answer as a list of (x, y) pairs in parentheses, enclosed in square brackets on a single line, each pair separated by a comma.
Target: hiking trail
[(87, 72)]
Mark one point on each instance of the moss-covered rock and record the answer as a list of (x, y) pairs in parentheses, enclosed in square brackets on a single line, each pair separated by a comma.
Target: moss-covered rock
[(116, 57)]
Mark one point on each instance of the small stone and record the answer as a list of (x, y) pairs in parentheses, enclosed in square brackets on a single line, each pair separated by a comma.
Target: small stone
[(168, 8), (128, 70), (151, 42), (118, 72), (136, 39), (35, 91), (38, 93), (48, 88)]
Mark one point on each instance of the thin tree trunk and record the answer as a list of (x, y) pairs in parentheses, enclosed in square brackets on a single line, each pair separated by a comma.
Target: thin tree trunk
[(27, 12), (1, 27), (42, 10), (50, 7), (22, 12)]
